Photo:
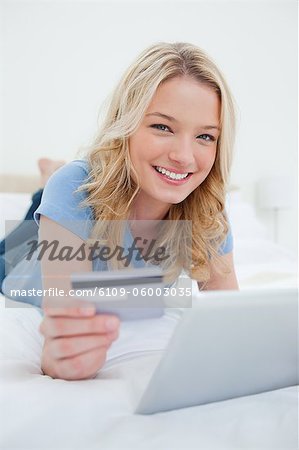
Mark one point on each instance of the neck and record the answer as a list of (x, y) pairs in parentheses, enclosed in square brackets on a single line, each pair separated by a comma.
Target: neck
[(144, 211)]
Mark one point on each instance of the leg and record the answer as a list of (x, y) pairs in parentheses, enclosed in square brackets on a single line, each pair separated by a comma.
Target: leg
[(35, 199), (26, 229), (2, 272)]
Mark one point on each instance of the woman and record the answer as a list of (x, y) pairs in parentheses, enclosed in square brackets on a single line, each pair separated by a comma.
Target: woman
[(163, 153)]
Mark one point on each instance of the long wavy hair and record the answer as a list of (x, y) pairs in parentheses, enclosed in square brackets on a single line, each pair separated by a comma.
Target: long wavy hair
[(111, 188)]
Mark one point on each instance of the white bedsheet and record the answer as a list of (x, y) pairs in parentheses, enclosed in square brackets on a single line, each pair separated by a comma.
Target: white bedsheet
[(38, 412)]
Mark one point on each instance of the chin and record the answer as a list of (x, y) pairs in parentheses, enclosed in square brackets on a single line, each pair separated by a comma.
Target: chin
[(173, 201)]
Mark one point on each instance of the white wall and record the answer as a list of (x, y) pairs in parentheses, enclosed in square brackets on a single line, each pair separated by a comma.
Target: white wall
[(62, 59)]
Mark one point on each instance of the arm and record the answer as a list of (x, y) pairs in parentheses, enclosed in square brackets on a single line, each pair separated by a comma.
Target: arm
[(76, 340), (226, 281)]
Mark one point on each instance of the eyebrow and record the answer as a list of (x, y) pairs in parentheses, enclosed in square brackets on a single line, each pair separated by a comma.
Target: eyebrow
[(172, 119)]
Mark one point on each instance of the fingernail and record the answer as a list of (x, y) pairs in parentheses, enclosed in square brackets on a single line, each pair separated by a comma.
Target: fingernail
[(112, 323)]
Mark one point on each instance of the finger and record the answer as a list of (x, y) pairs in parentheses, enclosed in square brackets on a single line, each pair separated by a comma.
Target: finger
[(113, 335), (55, 327), (81, 366), (71, 346), (68, 307)]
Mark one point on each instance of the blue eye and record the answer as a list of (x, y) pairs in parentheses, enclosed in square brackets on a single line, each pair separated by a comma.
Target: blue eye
[(158, 125), (207, 137)]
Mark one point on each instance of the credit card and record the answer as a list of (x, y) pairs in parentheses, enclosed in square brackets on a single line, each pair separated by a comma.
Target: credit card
[(131, 294)]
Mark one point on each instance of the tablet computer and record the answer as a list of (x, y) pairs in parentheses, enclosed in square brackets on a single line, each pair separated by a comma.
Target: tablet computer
[(229, 344)]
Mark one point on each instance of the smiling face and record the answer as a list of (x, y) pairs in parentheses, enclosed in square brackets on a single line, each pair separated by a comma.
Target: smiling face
[(174, 148)]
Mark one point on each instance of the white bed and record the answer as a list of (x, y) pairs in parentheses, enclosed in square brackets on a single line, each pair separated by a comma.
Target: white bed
[(38, 412)]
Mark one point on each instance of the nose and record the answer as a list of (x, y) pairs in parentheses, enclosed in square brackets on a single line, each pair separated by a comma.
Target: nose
[(182, 153)]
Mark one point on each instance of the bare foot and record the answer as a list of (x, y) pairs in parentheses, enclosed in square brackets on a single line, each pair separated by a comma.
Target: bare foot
[(47, 167)]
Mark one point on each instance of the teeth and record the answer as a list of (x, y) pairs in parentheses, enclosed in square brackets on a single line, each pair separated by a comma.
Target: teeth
[(171, 175)]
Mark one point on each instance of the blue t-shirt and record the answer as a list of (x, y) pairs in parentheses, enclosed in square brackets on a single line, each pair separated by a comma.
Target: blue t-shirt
[(62, 204)]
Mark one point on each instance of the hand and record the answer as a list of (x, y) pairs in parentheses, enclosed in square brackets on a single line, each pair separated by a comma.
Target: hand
[(76, 341)]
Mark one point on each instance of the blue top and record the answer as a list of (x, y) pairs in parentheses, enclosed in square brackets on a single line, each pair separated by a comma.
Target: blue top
[(61, 203)]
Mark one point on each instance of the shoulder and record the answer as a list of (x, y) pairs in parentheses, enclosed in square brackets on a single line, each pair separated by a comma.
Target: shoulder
[(67, 179), (228, 243), (76, 171), (61, 201)]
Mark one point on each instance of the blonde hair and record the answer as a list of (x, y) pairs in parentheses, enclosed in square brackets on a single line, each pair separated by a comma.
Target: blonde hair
[(111, 188)]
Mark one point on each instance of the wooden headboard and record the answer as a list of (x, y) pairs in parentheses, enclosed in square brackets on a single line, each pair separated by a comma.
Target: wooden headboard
[(19, 183)]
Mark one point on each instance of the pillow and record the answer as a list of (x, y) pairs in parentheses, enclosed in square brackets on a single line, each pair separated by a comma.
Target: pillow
[(242, 217)]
